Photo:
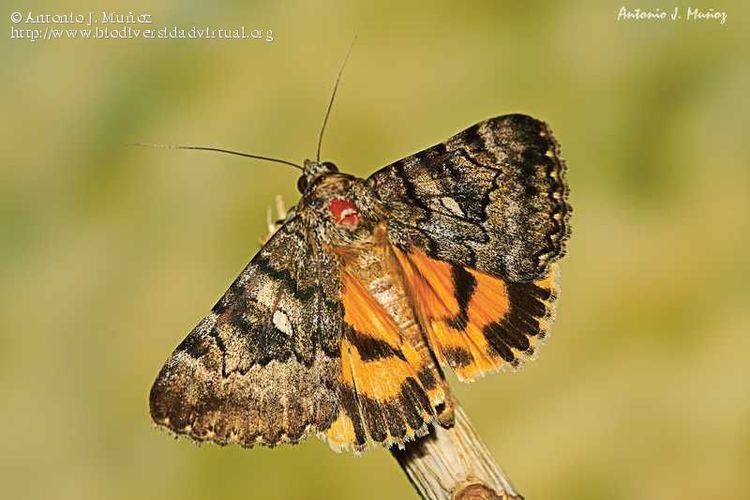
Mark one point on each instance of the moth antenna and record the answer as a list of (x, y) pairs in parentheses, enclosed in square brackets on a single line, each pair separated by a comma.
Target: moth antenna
[(333, 95), (220, 150)]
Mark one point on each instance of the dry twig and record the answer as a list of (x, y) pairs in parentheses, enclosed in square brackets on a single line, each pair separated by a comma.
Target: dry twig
[(453, 463)]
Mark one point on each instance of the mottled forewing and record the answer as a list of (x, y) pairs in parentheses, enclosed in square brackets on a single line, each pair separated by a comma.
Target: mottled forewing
[(492, 197), (263, 366)]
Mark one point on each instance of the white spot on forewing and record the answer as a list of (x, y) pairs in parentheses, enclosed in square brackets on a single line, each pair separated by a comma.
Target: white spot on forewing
[(281, 322), (452, 205), (265, 291)]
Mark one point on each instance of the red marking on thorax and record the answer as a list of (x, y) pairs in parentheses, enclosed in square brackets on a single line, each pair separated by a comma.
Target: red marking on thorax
[(344, 211)]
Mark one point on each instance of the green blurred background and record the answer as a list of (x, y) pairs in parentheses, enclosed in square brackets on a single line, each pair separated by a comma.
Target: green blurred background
[(111, 254)]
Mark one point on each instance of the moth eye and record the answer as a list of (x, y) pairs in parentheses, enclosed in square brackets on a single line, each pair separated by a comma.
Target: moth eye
[(329, 166), (302, 183)]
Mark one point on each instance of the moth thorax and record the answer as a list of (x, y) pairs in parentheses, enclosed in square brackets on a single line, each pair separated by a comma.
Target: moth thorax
[(344, 211)]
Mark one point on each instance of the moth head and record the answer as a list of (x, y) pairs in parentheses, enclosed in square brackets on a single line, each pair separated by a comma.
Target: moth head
[(340, 206), (312, 171)]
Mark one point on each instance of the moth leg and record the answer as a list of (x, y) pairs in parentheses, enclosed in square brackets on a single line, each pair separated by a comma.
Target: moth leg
[(281, 211), (272, 224)]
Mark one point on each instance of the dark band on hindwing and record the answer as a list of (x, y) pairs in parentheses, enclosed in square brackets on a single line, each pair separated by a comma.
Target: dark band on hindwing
[(370, 348), (385, 420), (464, 284)]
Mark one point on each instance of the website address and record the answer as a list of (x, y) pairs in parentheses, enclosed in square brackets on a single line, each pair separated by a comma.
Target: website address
[(131, 33)]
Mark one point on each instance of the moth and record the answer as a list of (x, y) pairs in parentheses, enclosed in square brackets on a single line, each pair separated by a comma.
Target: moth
[(342, 324)]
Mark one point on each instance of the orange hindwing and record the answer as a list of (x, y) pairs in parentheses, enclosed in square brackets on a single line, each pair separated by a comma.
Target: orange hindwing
[(477, 323), (387, 394)]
